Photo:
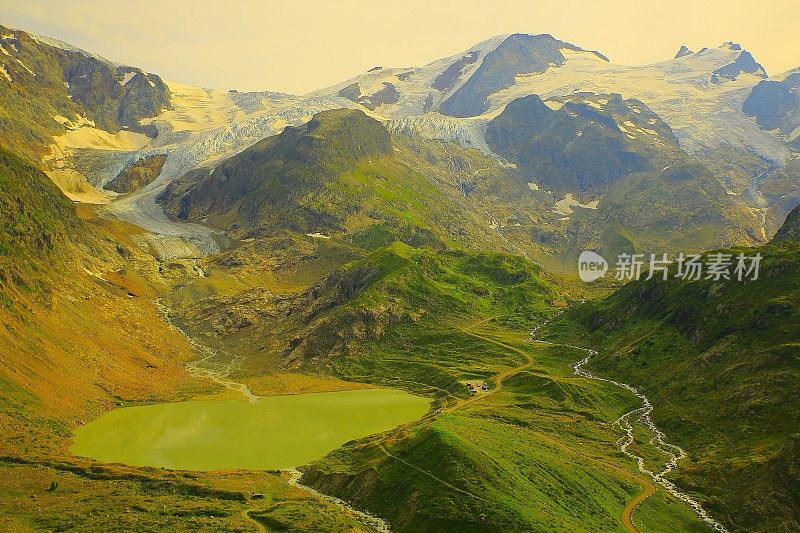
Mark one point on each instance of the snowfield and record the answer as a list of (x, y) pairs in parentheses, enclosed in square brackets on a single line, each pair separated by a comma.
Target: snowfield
[(699, 95)]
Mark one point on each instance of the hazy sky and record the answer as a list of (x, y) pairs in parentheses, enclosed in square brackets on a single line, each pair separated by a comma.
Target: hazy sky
[(300, 46)]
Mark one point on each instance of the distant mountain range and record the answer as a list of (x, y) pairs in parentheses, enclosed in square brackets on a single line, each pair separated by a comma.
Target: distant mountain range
[(602, 135)]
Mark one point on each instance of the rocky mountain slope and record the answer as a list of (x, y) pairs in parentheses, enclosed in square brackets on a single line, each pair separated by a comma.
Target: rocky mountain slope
[(790, 231), (775, 103), (583, 144), (49, 88)]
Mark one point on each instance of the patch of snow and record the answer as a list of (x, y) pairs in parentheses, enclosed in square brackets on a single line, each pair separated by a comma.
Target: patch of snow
[(197, 109), (5, 74), (555, 105), (90, 137), (4, 50), (569, 202), (533, 186), (25, 67), (317, 235), (127, 77)]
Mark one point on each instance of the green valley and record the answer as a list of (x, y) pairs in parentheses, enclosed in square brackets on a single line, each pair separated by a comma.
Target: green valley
[(356, 309)]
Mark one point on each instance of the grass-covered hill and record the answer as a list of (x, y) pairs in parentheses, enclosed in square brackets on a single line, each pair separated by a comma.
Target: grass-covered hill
[(37, 223), (719, 360), (351, 302), (288, 179), (537, 449), (69, 292), (398, 293), (342, 175)]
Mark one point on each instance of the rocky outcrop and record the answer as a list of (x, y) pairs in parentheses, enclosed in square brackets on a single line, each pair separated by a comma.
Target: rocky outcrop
[(744, 64), (586, 144), (387, 95), (137, 174), (775, 104)]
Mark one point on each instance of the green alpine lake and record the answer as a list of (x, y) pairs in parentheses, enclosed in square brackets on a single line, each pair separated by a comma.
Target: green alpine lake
[(272, 433)]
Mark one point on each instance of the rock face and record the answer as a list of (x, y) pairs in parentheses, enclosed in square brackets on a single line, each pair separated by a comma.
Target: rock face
[(684, 51), (790, 231), (46, 79), (775, 104), (387, 95), (137, 174), (584, 145), (518, 54)]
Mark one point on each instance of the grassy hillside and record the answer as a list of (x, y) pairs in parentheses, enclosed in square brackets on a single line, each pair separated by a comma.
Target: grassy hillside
[(719, 361), (535, 453), (342, 175), (534, 450), (80, 334), (57, 271), (37, 224)]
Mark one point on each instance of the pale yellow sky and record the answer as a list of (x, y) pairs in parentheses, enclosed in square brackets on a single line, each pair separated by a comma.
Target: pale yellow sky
[(300, 46)]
